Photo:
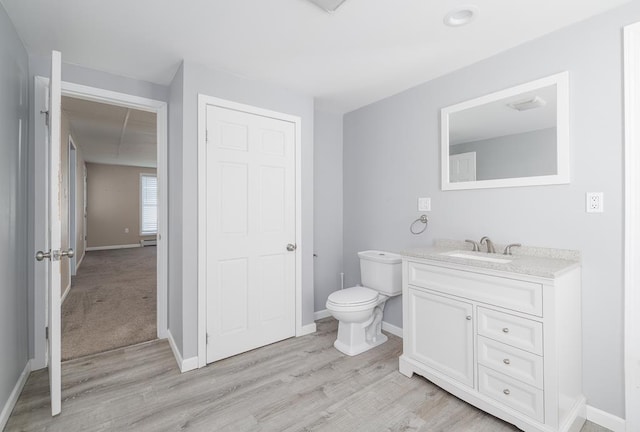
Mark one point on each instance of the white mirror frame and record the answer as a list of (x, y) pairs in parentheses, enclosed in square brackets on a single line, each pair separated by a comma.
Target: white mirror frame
[(561, 80)]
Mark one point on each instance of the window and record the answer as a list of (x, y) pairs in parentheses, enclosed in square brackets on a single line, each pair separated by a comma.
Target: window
[(148, 204)]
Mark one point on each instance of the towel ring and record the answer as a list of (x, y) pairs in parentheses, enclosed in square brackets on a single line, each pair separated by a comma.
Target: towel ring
[(424, 219)]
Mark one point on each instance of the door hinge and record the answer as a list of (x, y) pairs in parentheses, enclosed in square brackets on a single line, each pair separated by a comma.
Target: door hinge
[(46, 116), (46, 332)]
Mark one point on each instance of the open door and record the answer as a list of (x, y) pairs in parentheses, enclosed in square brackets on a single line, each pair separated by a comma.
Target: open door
[(54, 254)]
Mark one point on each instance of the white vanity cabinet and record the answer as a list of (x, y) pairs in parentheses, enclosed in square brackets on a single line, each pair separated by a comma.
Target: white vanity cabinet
[(442, 320), (508, 343)]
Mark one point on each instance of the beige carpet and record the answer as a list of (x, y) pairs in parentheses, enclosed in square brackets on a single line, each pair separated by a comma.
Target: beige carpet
[(112, 302)]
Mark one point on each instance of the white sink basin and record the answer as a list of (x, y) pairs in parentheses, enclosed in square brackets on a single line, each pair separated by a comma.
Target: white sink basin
[(462, 254)]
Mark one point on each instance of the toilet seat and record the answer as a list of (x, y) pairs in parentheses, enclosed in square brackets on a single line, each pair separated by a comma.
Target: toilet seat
[(354, 298)]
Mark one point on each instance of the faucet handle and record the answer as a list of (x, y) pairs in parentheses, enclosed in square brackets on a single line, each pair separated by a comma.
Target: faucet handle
[(476, 246), (507, 249)]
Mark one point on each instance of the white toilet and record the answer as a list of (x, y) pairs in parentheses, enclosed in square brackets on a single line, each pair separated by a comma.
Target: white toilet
[(359, 309)]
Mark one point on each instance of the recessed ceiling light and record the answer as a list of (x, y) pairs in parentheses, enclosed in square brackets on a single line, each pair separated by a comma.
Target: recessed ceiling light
[(461, 15)]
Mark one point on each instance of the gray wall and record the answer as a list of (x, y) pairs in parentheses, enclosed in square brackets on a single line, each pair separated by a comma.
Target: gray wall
[(39, 65), (14, 65), (391, 157), (327, 196), (520, 155), (198, 79)]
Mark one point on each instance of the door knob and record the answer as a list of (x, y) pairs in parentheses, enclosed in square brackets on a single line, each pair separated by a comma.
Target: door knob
[(291, 247), (56, 255), (42, 255)]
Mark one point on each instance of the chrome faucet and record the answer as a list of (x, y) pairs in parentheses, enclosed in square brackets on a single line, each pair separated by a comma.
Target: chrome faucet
[(476, 246), (507, 249), (490, 247)]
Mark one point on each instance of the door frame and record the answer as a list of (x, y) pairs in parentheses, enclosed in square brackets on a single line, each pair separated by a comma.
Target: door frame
[(203, 101), (632, 225), (72, 181), (95, 94)]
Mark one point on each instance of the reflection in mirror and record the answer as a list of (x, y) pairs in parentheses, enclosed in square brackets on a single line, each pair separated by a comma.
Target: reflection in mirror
[(515, 137)]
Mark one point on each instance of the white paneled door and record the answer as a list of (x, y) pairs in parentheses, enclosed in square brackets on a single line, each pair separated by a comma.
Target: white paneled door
[(52, 255), (250, 234), (462, 167)]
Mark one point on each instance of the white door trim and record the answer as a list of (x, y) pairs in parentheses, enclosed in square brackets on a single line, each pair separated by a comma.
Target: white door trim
[(632, 225), (203, 101), (72, 204), (129, 101)]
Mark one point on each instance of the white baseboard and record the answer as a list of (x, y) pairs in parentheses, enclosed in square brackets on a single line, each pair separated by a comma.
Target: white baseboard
[(13, 397), (394, 330), (606, 420), (189, 364), (321, 314), (185, 365), (66, 293), (37, 364), (307, 329), (78, 262), (125, 246)]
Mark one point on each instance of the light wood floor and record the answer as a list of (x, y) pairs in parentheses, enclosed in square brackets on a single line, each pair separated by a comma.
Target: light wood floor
[(301, 384)]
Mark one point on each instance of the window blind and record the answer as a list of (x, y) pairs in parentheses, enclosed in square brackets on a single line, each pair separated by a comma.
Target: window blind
[(148, 204)]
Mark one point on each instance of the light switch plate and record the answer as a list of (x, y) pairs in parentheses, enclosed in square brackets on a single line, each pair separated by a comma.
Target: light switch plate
[(424, 204)]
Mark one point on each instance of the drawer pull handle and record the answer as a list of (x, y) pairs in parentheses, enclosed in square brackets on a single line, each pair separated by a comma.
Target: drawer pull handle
[(506, 361), (506, 391), (505, 330), (468, 317)]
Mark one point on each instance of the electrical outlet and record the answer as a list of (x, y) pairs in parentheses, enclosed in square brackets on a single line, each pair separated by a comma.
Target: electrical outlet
[(595, 202), (424, 204)]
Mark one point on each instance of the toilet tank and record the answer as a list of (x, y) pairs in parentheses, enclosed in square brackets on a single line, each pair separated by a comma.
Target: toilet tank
[(381, 271)]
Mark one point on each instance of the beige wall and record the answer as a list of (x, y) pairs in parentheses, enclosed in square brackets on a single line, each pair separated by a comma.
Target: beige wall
[(64, 200), (113, 204)]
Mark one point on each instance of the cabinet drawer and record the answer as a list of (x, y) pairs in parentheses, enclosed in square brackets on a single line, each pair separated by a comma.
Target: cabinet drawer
[(519, 332), (513, 393), (514, 362), (512, 294)]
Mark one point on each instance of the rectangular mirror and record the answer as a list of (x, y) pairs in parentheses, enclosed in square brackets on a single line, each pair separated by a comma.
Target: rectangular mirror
[(514, 137)]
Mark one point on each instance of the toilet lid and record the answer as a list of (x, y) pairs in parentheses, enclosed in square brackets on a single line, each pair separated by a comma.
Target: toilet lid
[(353, 296)]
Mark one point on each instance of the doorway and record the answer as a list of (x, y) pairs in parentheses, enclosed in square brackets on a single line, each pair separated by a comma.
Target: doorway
[(123, 100), (111, 301)]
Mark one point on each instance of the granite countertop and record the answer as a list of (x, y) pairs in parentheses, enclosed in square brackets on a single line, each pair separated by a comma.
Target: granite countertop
[(527, 260)]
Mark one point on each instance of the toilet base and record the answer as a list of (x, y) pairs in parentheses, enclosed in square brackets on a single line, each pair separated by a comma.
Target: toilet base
[(360, 348)]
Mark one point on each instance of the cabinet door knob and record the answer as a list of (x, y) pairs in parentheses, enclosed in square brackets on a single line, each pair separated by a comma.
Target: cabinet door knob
[(468, 317), (505, 330), (506, 391), (506, 361)]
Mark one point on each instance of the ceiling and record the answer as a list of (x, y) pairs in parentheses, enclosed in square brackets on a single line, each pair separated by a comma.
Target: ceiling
[(365, 51), (496, 119), (114, 135)]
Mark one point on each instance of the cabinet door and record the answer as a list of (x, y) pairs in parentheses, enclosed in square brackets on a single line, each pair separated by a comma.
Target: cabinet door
[(442, 335)]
